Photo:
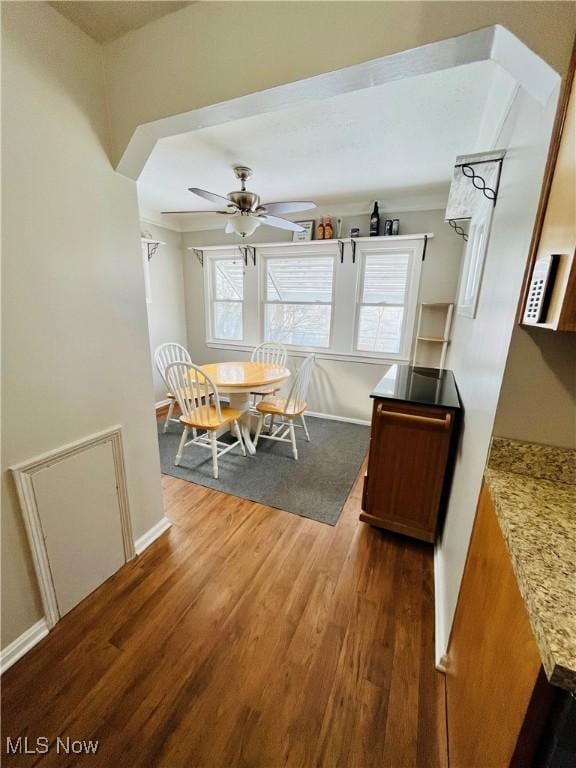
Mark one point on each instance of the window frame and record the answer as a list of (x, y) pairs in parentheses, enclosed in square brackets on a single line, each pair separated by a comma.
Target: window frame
[(411, 294), (345, 302), (210, 299), (266, 255)]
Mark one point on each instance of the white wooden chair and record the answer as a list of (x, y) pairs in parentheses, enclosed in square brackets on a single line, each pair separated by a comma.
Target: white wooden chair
[(199, 401), (164, 355), (287, 408), (269, 352)]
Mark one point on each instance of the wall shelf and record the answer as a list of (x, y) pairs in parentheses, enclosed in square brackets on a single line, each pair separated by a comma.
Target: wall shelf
[(430, 314), (334, 241)]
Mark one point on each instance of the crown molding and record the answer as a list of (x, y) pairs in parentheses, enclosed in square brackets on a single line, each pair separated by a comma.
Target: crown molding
[(155, 219)]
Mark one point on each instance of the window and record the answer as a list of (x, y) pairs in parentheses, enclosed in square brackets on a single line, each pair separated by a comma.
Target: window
[(298, 300), (383, 293), (227, 279), (316, 296)]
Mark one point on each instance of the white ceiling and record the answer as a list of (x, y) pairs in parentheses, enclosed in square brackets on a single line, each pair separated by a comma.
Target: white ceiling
[(395, 143)]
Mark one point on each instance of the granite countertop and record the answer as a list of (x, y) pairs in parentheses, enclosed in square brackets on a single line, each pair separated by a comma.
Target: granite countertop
[(533, 488), (415, 384)]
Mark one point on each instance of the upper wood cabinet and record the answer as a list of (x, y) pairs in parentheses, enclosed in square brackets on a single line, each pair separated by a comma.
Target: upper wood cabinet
[(555, 229)]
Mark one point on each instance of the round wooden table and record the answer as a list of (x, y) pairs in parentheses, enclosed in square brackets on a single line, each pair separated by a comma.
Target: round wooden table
[(238, 380)]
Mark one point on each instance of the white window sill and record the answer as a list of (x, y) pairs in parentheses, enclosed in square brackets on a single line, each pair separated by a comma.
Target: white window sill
[(355, 357)]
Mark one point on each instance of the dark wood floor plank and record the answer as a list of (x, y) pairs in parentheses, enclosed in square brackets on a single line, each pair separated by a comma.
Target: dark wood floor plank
[(244, 637)]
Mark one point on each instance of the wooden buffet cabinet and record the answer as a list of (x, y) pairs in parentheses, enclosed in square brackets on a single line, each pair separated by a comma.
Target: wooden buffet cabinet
[(415, 422)]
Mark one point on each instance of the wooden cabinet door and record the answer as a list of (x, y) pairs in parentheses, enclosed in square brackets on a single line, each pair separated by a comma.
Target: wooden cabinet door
[(493, 661), (409, 448)]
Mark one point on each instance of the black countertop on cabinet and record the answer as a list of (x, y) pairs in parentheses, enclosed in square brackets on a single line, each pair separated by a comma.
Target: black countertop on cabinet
[(413, 384)]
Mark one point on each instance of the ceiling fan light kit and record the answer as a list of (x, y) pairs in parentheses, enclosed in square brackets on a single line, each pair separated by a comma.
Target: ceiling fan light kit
[(243, 224), (245, 212)]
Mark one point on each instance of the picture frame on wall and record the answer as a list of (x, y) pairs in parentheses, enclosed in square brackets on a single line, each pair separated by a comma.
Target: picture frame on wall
[(307, 234)]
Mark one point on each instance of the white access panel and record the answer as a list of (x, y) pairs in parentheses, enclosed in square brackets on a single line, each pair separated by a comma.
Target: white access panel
[(79, 511)]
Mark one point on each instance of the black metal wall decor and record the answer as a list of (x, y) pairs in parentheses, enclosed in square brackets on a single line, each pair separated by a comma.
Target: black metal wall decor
[(458, 229), (199, 253), (475, 173), (479, 182)]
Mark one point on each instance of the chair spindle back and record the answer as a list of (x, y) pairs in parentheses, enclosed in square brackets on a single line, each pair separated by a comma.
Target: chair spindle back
[(297, 396), (168, 353), (270, 352), (192, 389)]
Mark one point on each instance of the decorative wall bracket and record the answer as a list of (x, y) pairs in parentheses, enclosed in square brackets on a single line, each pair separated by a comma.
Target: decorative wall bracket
[(341, 246), (248, 251), (425, 247), (473, 174), (199, 253), (151, 246), (458, 229), (353, 244), (479, 181)]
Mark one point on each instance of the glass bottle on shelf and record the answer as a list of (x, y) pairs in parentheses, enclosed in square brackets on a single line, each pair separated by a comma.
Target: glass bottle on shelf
[(375, 221)]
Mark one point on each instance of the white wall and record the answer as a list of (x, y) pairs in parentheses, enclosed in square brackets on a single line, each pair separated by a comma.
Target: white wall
[(538, 396), (339, 388), (75, 341), (166, 311), (480, 346), (189, 59)]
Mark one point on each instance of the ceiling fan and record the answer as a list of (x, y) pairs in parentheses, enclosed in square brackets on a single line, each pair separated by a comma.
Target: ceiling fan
[(244, 210)]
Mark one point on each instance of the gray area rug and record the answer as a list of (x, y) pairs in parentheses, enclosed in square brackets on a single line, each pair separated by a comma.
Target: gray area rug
[(315, 486)]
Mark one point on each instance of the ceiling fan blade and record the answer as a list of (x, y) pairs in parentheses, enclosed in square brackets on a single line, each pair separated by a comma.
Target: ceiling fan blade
[(218, 199), (276, 221), (226, 213), (288, 207)]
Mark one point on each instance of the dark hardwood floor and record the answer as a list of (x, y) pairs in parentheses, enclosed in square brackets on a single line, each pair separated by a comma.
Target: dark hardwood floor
[(244, 636)]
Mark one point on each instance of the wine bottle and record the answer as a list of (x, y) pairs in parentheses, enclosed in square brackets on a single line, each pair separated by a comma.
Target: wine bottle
[(375, 221)]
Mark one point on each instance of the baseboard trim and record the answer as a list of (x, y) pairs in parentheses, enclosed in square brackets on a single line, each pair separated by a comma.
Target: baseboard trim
[(314, 414), (331, 417), (19, 647), (32, 636), (143, 542)]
